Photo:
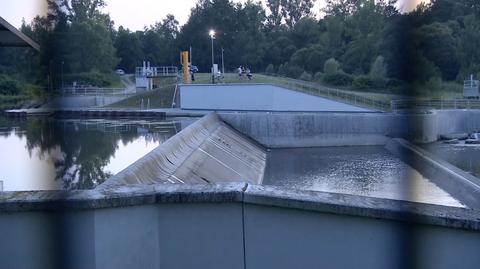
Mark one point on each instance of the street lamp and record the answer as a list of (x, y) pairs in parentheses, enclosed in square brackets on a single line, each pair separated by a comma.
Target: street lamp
[(62, 75), (223, 65), (212, 36)]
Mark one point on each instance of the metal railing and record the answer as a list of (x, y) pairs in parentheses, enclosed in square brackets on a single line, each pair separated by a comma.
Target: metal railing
[(93, 91), (435, 104), (335, 94), (160, 71)]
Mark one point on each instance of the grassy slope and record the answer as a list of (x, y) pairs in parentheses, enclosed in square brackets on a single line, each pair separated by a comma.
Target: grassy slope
[(159, 98), (11, 102)]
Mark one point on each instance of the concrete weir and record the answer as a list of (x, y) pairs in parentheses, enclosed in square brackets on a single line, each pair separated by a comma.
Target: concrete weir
[(207, 151), (123, 224)]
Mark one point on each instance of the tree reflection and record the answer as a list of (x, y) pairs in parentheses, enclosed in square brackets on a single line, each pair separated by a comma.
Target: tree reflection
[(81, 149)]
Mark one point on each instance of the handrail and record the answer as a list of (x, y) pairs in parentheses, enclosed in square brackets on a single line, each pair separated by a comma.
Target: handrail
[(435, 104), (156, 71), (90, 91), (335, 94)]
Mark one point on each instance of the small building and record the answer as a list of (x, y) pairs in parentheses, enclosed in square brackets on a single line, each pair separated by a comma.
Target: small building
[(471, 88), (12, 37), (148, 77)]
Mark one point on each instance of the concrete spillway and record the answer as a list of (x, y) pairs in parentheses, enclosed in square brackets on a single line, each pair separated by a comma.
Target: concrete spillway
[(207, 151)]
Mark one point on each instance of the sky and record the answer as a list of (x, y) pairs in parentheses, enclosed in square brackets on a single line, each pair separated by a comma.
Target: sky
[(132, 14)]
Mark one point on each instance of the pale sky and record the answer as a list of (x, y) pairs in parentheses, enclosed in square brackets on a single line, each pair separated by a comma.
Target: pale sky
[(133, 14)]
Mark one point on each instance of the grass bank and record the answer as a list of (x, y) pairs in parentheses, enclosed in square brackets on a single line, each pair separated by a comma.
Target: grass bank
[(158, 98)]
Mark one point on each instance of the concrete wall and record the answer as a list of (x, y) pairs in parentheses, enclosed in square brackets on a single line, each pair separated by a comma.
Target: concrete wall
[(281, 238), (287, 130), (428, 127), (256, 97), (84, 101), (150, 236), (169, 227), (463, 121), (297, 129)]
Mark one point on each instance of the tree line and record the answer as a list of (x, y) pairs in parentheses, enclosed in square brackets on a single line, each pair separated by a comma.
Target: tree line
[(357, 43)]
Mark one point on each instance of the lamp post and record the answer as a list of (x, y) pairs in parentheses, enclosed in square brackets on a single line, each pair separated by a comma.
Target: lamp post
[(223, 65), (62, 75), (212, 36)]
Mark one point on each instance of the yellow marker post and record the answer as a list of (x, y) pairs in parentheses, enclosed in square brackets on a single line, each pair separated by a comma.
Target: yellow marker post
[(185, 66)]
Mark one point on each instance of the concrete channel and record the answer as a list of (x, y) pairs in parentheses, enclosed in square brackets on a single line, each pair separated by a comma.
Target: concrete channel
[(223, 218)]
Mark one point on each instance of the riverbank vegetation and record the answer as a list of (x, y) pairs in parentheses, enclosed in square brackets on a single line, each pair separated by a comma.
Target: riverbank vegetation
[(359, 45)]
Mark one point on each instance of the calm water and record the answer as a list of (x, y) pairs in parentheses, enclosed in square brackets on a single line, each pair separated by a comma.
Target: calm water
[(465, 157), (43, 154), (366, 171)]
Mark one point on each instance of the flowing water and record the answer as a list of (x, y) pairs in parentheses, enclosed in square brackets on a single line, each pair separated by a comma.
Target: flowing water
[(465, 157), (366, 171)]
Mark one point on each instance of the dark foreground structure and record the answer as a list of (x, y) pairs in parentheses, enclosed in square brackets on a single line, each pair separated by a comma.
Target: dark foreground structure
[(12, 37)]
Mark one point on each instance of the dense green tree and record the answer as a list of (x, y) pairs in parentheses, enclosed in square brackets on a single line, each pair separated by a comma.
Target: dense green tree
[(159, 42), (129, 50), (275, 17), (293, 10), (438, 45), (469, 45), (367, 37), (341, 8), (364, 29)]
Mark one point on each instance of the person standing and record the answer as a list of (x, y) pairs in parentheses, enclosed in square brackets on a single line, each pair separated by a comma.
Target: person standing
[(240, 72)]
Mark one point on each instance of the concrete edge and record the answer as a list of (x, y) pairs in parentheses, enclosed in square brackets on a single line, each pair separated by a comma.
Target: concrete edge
[(458, 183), (361, 206), (121, 196), (322, 202), (222, 84)]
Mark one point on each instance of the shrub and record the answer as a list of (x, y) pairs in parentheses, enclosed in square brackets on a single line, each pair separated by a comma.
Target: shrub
[(294, 71), (270, 69), (363, 82), (9, 86), (378, 71), (281, 70), (305, 76), (318, 76), (331, 67), (394, 83), (93, 78), (338, 79)]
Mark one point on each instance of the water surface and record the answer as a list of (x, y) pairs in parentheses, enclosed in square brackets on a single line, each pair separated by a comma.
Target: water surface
[(465, 157), (366, 171), (47, 154)]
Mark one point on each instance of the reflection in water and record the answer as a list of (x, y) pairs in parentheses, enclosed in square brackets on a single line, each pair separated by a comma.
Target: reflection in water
[(47, 154), (465, 157), (366, 171)]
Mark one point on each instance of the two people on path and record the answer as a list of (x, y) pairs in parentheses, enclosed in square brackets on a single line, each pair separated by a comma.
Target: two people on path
[(244, 72)]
